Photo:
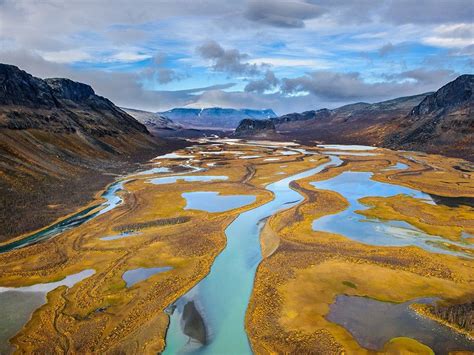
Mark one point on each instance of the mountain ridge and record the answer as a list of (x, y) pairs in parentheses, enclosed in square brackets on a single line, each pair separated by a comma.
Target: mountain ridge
[(60, 144), (436, 122), (214, 117)]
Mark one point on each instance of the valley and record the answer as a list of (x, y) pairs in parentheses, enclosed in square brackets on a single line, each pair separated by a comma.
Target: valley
[(230, 241)]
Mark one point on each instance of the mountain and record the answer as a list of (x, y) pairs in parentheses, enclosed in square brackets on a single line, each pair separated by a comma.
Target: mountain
[(255, 129), (215, 117), (152, 120), (442, 122), (57, 140), (358, 123)]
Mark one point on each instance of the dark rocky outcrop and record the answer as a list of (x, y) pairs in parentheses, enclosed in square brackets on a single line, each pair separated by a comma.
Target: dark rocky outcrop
[(249, 127)]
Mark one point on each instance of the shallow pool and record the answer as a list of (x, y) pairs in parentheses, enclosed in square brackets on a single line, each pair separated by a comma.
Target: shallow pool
[(131, 277), (211, 201), (373, 323), (355, 185), (19, 303)]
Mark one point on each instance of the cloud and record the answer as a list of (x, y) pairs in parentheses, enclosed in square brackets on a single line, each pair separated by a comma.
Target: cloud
[(227, 60), (287, 14), (158, 73), (334, 86), (434, 78), (452, 36), (428, 11), (268, 82), (386, 49)]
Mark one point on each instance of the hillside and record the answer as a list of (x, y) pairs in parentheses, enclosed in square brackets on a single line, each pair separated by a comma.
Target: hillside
[(215, 117), (442, 122), (57, 138), (152, 120), (359, 123)]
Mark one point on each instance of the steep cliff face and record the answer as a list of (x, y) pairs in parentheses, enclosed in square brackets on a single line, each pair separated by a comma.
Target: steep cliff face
[(57, 138), (442, 123), (255, 128)]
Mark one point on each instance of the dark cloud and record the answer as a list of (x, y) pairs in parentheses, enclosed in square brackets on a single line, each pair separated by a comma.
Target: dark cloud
[(386, 49), (289, 14), (158, 73), (227, 60), (435, 78), (268, 82)]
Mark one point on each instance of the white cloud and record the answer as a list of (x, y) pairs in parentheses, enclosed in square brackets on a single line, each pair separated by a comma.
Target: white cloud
[(66, 56), (452, 36), (292, 62)]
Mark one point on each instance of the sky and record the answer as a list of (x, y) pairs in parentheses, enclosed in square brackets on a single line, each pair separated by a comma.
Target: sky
[(291, 56)]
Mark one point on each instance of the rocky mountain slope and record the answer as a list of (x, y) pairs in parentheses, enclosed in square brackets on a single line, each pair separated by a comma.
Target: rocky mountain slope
[(214, 118), (152, 120), (57, 138), (442, 122), (358, 123)]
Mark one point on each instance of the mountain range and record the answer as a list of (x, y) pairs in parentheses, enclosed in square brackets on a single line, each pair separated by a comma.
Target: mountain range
[(440, 122), (214, 117)]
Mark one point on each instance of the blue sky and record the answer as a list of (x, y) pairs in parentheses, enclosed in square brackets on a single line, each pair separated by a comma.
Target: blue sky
[(286, 55)]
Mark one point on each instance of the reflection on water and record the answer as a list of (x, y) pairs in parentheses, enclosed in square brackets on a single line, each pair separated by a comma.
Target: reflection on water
[(19, 303), (211, 201), (222, 296), (131, 277), (372, 323), (356, 185)]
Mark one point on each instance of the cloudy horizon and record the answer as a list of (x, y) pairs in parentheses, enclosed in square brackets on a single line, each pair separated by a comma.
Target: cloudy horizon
[(285, 55)]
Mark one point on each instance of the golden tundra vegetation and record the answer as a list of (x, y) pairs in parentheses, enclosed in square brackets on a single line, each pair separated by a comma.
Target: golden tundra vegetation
[(301, 272)]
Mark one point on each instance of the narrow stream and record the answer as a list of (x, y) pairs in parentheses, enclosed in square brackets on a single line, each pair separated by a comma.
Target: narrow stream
[(112, 200), (210, 317)]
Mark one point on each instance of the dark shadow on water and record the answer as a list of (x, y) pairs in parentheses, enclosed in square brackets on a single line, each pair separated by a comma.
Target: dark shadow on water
[(193, 323)]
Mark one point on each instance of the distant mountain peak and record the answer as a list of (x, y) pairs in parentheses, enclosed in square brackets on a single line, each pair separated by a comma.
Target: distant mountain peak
[(215, 117)]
